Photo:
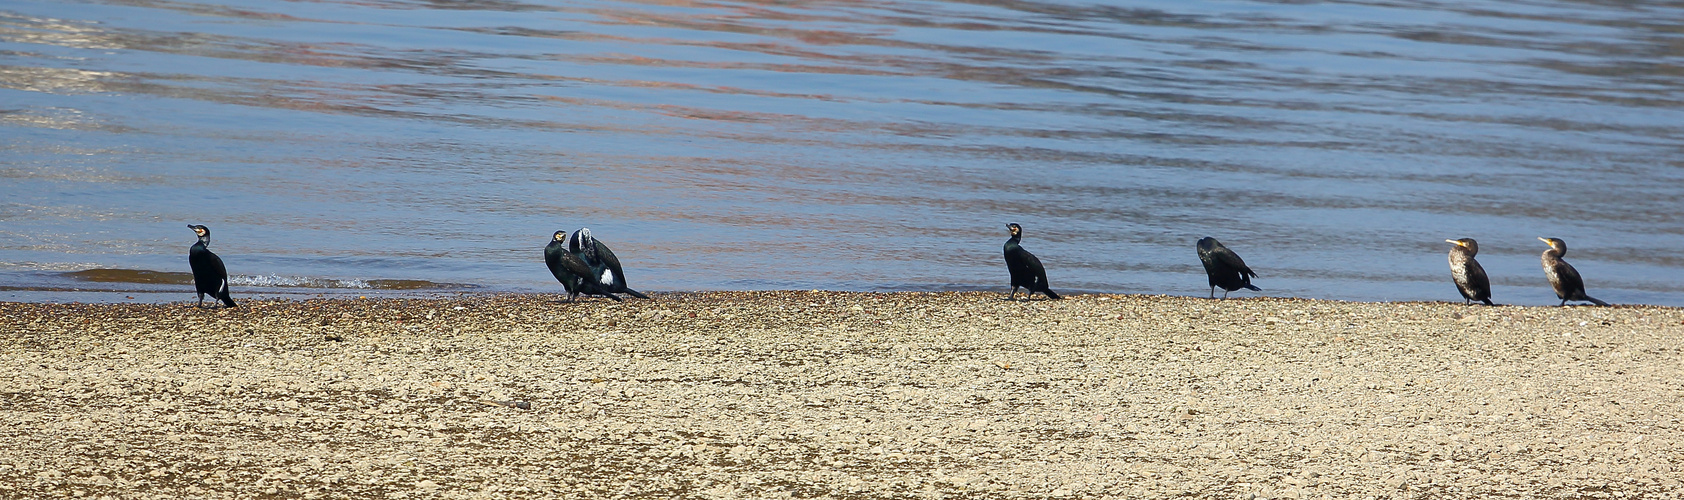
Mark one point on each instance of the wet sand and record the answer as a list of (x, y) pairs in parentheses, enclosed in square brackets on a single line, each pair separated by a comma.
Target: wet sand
[(842, 395)]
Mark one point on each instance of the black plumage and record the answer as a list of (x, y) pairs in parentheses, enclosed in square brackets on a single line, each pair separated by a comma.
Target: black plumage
[(1566, 281), (605, 266), (570, 270), (209, 275), (1224, 268), (1025, 269), (1466, 272)]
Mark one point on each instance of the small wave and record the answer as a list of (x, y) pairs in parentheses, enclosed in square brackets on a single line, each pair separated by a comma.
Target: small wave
[(262, 281), (275, 280)]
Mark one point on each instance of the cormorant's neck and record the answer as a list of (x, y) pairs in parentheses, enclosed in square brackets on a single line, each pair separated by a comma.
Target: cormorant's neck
[(1554, 254), (205, 241)]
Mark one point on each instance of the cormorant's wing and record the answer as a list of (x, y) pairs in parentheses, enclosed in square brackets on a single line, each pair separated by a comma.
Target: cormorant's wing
[(554, 253), (1037, 273), (1570, 280), (573, 264), (569, 262), (1231, 259), (221, 270), (222, 290), (1477, 278), (610, 262), (1017, 264)]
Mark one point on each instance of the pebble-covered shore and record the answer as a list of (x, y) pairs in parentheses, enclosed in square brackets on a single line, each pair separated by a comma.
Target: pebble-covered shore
[(840, 395)]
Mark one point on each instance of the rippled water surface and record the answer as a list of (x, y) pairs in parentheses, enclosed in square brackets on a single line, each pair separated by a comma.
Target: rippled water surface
[(861, 145)]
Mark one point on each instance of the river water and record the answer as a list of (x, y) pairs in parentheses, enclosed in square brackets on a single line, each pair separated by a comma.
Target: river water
[(374, 146)]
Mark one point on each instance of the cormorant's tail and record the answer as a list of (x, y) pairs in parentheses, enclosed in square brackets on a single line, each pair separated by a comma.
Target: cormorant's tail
[(1594, 301), (636, 293), (1487, 301), (1051, 294), (1249, 286)]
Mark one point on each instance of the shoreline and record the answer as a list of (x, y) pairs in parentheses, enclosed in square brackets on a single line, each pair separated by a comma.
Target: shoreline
[(135, 286), (174, 297), (841, 394)]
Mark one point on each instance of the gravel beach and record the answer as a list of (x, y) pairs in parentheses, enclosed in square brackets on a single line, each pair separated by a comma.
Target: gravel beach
[(790, 394)]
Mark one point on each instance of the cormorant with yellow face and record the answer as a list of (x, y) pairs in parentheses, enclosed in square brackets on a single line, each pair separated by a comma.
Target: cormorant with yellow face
[(1025, 269), (1466, 272), (209, 275), (570, 270), (1568, 285)]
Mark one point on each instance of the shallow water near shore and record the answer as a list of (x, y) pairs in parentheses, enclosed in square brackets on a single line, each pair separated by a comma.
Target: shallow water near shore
[(417, 147)]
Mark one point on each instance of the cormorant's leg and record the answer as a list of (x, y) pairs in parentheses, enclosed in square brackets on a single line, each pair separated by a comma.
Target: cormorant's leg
[(1213, 291), (1225, 294), (1013, 295)]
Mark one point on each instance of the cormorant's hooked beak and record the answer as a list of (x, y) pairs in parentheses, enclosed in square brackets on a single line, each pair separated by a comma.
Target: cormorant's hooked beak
[(1546, 241), (1455, 242)]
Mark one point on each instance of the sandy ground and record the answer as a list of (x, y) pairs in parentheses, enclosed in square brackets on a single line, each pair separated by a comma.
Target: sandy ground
[(841, 395)]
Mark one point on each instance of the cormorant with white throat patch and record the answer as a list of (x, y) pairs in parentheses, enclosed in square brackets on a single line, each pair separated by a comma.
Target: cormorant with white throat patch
[(1025, 269), (570, 270), (1466, 272), (209, 275), (1568, 285)]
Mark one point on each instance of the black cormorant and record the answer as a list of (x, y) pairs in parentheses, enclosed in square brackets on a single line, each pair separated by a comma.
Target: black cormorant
[(570, 270), (1568, 285), (1225, 268), (1469, 276), (1025, 268), (209, 275), (604, 265)]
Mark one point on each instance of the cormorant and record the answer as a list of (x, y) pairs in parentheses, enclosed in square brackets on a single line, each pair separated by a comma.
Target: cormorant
[(209, 275), (1224, 267), (1466, 272), (604, 265), (570, 270), (1025, 268), (1568, 285)]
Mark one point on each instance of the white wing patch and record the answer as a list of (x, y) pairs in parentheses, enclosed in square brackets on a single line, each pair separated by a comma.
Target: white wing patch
[(607, 277)]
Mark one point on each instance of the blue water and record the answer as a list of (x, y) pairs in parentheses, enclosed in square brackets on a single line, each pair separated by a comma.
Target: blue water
[(875, 145)]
